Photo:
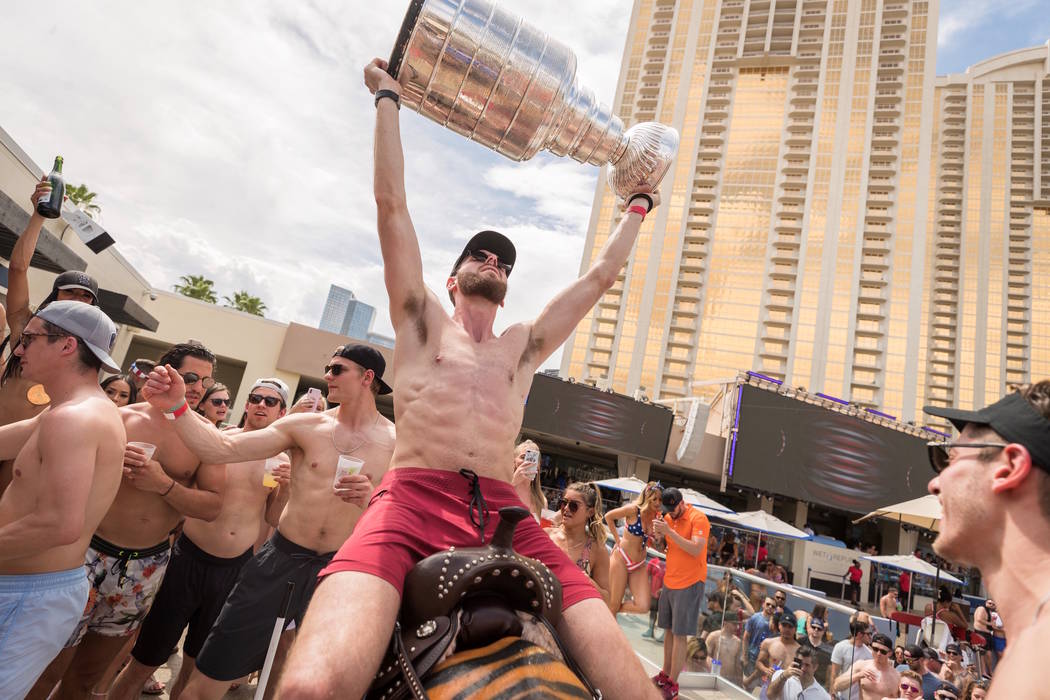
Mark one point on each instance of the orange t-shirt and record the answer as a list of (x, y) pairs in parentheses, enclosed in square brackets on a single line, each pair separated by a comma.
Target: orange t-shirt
[(684, 570)]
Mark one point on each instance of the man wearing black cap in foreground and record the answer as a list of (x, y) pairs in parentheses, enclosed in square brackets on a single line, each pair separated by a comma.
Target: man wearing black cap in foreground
[(320, 514), (993, 482), (459, 403)]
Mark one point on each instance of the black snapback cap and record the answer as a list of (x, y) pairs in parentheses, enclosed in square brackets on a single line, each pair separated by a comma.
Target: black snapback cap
[(367, 357), (492, 241), (1013, 418)]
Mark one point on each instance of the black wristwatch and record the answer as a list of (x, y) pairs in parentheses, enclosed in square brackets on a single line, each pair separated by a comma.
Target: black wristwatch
[(380, 94)]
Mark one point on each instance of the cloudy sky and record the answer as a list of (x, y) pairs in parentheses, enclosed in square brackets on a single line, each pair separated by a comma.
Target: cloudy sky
[(234, 139)]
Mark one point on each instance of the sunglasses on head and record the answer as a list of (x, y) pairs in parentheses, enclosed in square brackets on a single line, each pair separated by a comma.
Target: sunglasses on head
[(215, 401), (270, 401), (482, 257), (192, 378)]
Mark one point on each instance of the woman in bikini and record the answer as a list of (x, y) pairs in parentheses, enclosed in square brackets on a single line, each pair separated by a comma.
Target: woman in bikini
[(627, 561), (582, 533)]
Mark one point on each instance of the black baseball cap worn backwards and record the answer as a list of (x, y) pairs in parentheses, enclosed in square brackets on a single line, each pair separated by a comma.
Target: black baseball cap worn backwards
[(1012, 417), (367, 357), (493, 242)]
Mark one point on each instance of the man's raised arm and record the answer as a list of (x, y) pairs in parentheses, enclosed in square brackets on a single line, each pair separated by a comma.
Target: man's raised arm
[(165, 390), (554, 324), (402, 263), (18, 271)]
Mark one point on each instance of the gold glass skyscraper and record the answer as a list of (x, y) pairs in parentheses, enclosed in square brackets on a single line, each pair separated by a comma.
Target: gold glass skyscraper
[(800, 230)]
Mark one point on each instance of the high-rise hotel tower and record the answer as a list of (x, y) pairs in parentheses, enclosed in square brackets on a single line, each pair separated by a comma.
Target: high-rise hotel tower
[(801, 228), (987, 306)]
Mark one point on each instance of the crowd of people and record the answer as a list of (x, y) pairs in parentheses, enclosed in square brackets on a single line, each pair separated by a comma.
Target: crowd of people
[(133, 516)]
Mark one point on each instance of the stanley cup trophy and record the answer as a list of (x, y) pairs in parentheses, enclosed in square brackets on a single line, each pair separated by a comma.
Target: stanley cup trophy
[(490, 76)]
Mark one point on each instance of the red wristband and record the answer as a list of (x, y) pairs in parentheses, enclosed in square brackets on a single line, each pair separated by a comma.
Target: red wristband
[(173, 415), (639, 210)]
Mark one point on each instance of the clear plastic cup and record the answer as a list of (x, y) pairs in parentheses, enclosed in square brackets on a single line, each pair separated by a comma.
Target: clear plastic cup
[(347, 465), (146, 447), (268, 478)]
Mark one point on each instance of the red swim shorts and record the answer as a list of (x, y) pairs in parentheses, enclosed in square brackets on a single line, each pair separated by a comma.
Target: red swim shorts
[(417, 512)]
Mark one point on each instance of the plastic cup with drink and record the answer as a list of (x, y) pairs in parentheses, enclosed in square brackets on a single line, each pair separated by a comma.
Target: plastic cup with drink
[(347, 465), (269, 480), (146, 447)]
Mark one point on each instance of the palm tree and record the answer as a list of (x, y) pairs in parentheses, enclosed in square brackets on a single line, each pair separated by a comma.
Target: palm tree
[(243, 301), (197, 287), (83, 199)]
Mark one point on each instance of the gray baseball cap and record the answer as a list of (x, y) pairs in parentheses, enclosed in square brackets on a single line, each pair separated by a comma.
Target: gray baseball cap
[(274, 384), (88, 323)]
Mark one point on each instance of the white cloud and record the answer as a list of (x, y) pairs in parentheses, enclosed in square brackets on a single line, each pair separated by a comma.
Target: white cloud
[(957, 17), (235, 140)]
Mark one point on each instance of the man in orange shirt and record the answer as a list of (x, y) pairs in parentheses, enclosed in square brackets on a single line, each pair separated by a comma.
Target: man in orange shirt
[(686, 529)]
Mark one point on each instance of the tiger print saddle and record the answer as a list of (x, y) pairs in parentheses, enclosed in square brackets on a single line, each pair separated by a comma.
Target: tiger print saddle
[(480, 622)]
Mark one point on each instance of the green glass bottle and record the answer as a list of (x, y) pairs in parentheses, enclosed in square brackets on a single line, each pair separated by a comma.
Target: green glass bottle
[(51, 207)]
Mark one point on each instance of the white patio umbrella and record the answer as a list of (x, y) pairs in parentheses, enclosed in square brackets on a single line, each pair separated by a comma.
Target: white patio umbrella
[(704, 503), (924, 512), (630, 484), (761, 521), (911, 563)]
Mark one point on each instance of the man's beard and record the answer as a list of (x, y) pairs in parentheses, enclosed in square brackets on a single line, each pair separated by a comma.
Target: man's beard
[(473, 284)]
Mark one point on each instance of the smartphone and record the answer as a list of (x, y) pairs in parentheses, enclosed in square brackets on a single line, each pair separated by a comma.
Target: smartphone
[(313, 394), (532, 458)]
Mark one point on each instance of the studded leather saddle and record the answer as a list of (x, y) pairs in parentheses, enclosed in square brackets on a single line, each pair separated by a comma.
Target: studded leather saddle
[(482, 616)]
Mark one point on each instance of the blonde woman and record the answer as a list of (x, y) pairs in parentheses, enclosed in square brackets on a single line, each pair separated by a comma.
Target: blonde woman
[(582, 533), (526, 479), (627, 561)]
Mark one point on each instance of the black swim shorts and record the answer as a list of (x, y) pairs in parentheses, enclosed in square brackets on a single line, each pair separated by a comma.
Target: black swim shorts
[(192, 593), (239, 639)]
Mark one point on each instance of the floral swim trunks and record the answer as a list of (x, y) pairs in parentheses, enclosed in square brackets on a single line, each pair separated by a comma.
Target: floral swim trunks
[(123, 585)]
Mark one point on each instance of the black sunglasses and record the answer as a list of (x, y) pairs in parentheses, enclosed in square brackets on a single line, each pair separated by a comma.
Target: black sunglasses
[(270, 401), (26, 338), (938, 452), (881, 650), (481, 257), (193, 378), (219, 402), (336, 370)]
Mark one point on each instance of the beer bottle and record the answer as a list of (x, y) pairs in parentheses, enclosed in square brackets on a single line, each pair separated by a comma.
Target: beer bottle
[(51, 207)]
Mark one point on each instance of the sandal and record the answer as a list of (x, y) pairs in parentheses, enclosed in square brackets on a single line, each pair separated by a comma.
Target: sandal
[(152, 687)]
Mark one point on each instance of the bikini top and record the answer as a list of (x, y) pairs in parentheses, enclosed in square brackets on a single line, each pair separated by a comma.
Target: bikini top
[(584, 562), (636, 528)]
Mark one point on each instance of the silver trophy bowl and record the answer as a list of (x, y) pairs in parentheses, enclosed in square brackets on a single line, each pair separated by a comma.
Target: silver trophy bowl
[(487, 74)]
